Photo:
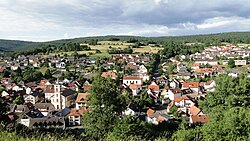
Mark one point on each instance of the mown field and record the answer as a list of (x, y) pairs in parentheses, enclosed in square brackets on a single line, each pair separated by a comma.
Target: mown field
[(103, 46)]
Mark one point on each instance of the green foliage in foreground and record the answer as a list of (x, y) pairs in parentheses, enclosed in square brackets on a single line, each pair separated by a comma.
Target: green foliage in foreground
[(229, 113)]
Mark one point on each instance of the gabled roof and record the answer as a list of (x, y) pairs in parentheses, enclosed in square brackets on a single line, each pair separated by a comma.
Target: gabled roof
[(184, 97), (199, 118), (111, 74), (81, 97), (134, 86), (76, 112), (150, 112), (191, 84), (176, 90), (153, 87), (68, 92), (194, 110), (86, 88), (131, 78)]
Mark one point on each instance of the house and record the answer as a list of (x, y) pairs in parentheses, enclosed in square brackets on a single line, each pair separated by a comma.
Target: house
[(67, 97), (109, 74), (193, 110), (144, 76), (136, 88), (156, 117), (152, 116), (75, 116), (4, 94), (210, 86), (132, 80), (205, 62), (29, 98), (183, 75), (174, 84), (173, 93), (36, 64), (129, 111), (181, 67), (194, 86), (14, 67), (240, 62), (132, 67), (195, 66), (60, 65), (154, 88), (142, 69), (234, 73), (194, 119), (60, 98), (6, 80), (184, 101), (81, 100), (86, 88), (45, 108)]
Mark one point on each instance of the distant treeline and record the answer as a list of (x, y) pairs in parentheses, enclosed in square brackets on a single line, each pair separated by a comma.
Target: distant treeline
[(120, 51), (66, 44)]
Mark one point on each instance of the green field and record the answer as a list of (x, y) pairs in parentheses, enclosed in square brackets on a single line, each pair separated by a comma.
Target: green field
[(103, 46)]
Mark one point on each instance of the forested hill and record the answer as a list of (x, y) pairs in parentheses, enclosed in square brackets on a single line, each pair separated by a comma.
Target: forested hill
[(231, 37), (12, 45)]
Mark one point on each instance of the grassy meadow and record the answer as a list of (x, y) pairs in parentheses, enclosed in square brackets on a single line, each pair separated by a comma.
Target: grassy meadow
[(103, 46)]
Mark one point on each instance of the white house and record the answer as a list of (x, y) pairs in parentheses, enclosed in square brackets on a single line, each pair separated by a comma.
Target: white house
[(135, 89), (81, 100), (174, 84), (45, 108), (183, 101), (173, 93), (210, 86), (142, 69), (240, 62), (132, 80), (75, 117), (60, 65), (59, 98), (194, 86), (30, 98), (129, 111)]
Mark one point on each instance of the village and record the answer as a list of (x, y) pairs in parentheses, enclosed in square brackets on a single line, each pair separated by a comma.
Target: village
[(61, 102)]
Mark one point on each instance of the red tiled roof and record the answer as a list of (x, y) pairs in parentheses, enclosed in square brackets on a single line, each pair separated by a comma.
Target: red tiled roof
[(150, 112), (111, 74), (176, 90), (49, 90), (190, 84), (153, 87), (199, 118), (131, 78), (76, 112), (134, 86), (161, 118), (81, 97), (194, 110), (177, 99), (87, 87)]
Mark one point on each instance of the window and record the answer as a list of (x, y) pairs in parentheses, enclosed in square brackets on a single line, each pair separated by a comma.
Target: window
[(56, 100), (57, 106)]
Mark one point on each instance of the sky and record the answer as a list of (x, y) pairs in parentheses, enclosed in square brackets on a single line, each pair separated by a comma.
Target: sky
[(45, 20)]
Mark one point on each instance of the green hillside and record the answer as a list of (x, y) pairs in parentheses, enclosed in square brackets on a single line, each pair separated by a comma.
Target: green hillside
[(230, 37)]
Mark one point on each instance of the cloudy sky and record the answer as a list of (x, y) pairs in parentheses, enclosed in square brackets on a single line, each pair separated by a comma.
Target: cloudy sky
[(43, 20)]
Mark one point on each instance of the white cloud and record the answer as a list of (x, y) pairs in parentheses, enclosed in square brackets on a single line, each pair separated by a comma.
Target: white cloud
[(57, 19)]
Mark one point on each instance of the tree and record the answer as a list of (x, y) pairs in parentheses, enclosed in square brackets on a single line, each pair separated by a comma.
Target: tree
[(18, 100), (231, 63), (105, 108), (48, 74)]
